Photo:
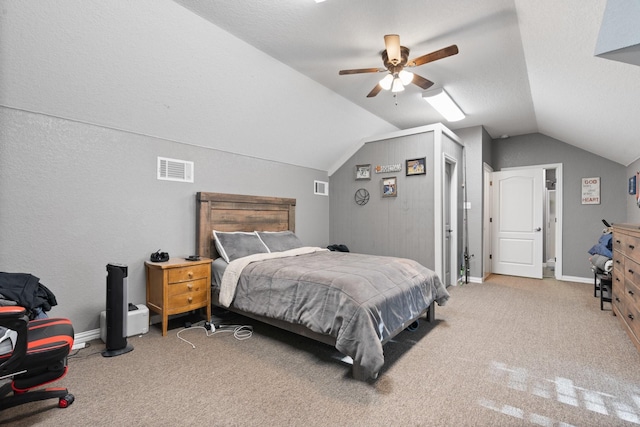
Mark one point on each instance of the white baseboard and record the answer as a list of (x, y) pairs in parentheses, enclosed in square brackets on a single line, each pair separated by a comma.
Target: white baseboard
[(82, 338), (577, 279)]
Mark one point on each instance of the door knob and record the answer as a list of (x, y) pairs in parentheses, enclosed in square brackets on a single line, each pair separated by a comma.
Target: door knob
[(538, 229)]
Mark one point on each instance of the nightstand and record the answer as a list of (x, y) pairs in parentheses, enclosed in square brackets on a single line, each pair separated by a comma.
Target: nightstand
[(178, 286)]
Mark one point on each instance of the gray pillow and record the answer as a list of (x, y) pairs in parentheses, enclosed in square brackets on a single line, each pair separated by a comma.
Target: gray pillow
[(232, 246), (279, 241)]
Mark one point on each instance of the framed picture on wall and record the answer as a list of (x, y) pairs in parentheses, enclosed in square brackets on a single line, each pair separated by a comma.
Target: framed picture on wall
[(632, 185), (363, 172), (416, 167), (389, 187)]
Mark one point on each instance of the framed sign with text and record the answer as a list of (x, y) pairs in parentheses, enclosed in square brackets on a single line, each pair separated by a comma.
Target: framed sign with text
[(591, 191)]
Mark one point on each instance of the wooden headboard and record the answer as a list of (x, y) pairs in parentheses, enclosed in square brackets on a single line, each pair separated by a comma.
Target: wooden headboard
[(236, 212)]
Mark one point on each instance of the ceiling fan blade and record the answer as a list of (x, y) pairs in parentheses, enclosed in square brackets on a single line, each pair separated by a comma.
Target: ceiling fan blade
[(433, 56), (392, 45), (376, 90), (361, 70), (421, 81)]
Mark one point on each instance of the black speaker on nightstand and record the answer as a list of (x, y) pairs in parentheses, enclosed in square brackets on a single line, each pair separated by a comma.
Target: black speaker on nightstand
[(117, 311)]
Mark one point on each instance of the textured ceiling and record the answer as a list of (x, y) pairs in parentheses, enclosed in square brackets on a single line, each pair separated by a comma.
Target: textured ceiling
[(523, 66)]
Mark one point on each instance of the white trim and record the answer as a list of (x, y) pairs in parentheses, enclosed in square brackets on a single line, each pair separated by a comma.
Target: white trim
[(453, 212), (438, 205), (559, 214), (576, 279), (82, 338)]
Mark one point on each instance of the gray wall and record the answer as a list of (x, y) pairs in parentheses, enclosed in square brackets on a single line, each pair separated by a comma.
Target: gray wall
[(402, 226), (633, 210), (475, 146), (74, 197), (582, 223), (394, 226)]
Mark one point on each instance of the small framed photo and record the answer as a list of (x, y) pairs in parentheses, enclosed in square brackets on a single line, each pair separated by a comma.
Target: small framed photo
[(416, 167), (632, 185), (389, 187), (363, 172)]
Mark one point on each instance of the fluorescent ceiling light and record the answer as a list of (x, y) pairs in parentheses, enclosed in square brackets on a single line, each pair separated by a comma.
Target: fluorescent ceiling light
[(442, 102)]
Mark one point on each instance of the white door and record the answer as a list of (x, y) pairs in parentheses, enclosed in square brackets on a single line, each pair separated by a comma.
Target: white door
[(517, 222)]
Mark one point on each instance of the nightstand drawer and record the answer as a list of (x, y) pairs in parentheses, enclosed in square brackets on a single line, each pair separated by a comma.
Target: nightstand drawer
[(181, 303), (187, 287), (188, 273)]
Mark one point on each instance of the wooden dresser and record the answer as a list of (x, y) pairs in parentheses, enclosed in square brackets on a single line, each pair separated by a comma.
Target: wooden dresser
[(178, 286), (626, 278)]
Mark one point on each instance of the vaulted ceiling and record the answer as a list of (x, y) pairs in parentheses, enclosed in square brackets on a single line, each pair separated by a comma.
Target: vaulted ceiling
[(260, 78), (523, 66)]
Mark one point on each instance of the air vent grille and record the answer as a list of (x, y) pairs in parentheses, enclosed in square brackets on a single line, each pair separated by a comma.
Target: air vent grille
[(175, 170)]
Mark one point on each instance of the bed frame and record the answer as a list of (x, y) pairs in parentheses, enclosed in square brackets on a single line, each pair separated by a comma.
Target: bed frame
[(234, 212)]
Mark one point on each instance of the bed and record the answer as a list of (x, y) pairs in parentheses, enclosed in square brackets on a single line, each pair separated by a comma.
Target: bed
[(354, 302)]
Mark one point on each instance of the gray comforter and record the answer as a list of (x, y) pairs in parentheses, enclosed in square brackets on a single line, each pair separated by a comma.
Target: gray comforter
[(357, 299)]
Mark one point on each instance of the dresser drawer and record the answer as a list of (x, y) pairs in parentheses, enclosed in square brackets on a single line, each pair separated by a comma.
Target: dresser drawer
[(187, 287), (188, 273), (631, 271), (181, 302), (632, 293), (631, 245), (632, 318), (618, 263)]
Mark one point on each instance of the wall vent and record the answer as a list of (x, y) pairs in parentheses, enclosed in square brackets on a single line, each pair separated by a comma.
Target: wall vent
[(321, 188), (175, 170)]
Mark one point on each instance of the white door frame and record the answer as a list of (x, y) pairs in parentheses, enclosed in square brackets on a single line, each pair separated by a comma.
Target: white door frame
[(559, 215), (453, 218), (487, 198)]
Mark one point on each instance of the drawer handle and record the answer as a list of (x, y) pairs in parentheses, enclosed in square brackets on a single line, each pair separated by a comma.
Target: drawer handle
[(617, 279), (190, 286), (631, 271), (632, 247), (617, 299), (190, 274), (618, 241), (189, 299), (617, 261), (630, 316), (630, 293)]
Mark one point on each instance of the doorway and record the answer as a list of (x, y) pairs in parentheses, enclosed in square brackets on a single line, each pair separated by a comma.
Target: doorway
[(538, 252), (449, 220)]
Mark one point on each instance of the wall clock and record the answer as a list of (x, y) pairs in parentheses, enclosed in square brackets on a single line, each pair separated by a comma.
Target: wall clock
[(361, 196)]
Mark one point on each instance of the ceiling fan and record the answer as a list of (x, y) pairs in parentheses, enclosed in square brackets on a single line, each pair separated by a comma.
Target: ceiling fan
[(395, 59)]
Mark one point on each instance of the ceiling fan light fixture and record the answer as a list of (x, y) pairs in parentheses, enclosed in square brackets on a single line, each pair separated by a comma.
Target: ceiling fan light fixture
[(397, 85), (444, 104), (406, 77), (392, 45), (386, 82)]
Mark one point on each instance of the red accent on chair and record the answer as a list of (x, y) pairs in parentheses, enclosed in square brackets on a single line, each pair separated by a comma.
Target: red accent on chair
[(39, 357)]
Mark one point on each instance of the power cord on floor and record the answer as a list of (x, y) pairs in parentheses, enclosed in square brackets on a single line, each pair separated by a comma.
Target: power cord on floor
[(240, 332)]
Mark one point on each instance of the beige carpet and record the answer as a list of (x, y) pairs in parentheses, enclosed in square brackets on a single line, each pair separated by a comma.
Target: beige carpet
[(506, 352)]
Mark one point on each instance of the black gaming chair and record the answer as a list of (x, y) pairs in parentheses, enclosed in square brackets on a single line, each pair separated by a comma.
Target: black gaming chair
[(39, 357)]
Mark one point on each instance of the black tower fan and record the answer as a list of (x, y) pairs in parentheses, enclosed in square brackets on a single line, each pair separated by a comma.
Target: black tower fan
[(117, 313)]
